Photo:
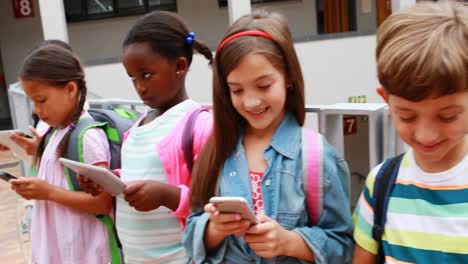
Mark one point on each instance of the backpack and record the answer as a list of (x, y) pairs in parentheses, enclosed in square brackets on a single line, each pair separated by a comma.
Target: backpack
[(115, 123), (383, 187), (312, 168), (187, 137)]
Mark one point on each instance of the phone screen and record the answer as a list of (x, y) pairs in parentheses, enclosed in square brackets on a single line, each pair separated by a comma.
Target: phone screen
[(7, 176)]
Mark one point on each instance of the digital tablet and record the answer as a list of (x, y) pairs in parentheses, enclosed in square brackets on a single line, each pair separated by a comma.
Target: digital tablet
[(15, 149), (234, 205), (102, 176)]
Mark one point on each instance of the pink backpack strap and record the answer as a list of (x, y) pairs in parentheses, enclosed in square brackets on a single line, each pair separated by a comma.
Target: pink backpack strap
[(312, 145)]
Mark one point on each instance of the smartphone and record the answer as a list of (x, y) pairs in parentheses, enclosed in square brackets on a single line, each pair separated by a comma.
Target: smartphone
[(234, 205), (7, 176), (21, 133)]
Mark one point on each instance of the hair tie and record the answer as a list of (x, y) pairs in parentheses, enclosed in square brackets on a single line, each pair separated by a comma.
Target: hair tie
[(71, 126), (258, 33), (189, 39)]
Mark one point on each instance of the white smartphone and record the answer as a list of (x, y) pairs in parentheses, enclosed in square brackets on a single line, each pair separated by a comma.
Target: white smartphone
[(234, 205)]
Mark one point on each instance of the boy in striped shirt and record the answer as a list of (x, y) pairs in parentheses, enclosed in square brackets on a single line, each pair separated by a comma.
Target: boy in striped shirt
[(422, 60)]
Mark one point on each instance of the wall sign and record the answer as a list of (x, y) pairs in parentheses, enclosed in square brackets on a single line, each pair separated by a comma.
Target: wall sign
[(350, 125), (23, 8)]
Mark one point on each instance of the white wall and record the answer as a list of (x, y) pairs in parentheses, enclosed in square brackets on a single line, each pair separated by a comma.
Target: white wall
[(333, 70), (17, 37), (102, 39), (338, 68), (99, 39)]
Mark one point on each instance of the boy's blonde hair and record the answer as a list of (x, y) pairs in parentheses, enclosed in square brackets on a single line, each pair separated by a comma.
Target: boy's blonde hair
[(423, 51)]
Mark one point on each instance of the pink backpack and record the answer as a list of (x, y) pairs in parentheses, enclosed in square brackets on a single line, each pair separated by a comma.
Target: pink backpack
[(312, 167)]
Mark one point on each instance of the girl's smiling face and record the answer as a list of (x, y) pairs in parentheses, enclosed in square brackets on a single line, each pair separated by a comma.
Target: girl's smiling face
[(258, 93)]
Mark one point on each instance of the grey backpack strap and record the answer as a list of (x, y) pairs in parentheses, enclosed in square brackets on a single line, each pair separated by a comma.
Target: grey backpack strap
[(75, 149), (75, 152), (118, 122)]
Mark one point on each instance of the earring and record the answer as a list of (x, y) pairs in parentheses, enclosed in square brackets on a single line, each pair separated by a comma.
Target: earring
[(177, 73)]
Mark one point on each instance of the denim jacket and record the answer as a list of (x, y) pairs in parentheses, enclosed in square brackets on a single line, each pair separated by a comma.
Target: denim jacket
[(284, 201)]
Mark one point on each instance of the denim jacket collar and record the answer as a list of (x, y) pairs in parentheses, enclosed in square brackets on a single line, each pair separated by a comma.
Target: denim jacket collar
[(285, 141), (287, 137)]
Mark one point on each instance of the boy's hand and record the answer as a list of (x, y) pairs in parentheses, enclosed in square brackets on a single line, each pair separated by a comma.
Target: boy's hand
[(268, 238), (32, 188), (223, 225), (89, 186), (28, 144), (145, 195)]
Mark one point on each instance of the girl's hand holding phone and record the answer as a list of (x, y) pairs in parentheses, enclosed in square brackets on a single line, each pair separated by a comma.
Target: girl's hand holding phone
[(32, 188), (29, 144), (224, 224), (268, 238)]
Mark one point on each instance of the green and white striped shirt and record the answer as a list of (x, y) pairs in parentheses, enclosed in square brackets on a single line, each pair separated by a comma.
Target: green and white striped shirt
[(427, 217), (155, 236)]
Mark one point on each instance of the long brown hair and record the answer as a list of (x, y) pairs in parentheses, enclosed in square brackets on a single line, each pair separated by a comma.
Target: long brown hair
[(57, 66), (226, 129)]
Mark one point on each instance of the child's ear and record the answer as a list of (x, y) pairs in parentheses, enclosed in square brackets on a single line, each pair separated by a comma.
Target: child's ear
[(181, 67), (383, 94), (72, 89)]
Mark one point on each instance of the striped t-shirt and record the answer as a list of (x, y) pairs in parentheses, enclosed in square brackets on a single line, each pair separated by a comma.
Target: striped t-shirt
[(155, 236), (427, 217)]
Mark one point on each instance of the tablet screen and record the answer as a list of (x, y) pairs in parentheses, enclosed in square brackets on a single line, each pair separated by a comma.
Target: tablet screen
[(102, 176)]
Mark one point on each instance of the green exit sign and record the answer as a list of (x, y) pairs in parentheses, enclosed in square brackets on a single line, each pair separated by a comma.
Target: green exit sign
[(360, 99)]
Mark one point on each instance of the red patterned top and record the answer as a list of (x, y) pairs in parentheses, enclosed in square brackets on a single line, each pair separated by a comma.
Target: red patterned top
[(256, 183)]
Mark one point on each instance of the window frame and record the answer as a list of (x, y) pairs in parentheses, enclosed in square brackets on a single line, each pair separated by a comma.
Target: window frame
[(223, 3), (116, 12)]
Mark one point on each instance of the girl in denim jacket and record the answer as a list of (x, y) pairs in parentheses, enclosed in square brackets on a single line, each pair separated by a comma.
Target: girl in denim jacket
[(255, 153)]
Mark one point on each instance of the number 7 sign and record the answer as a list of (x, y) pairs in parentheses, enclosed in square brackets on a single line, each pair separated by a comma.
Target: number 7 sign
[(23, 8), (350, 125)]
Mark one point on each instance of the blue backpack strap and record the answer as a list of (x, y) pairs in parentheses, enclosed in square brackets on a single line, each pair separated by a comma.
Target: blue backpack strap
[(187, 137), (383, 187), (312, 173)]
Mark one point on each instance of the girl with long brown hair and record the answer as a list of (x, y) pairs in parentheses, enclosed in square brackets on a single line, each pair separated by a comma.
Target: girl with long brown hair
[(255, 153)]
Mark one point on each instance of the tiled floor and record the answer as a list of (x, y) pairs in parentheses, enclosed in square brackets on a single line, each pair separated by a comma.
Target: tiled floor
[(14, 246)]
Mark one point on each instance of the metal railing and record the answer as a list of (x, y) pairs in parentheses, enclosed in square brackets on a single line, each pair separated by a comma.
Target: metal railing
[(382, 139)]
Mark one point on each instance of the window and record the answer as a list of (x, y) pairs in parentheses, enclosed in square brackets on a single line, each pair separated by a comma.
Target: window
[(82, 10), (334, 16), (224, 2)]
